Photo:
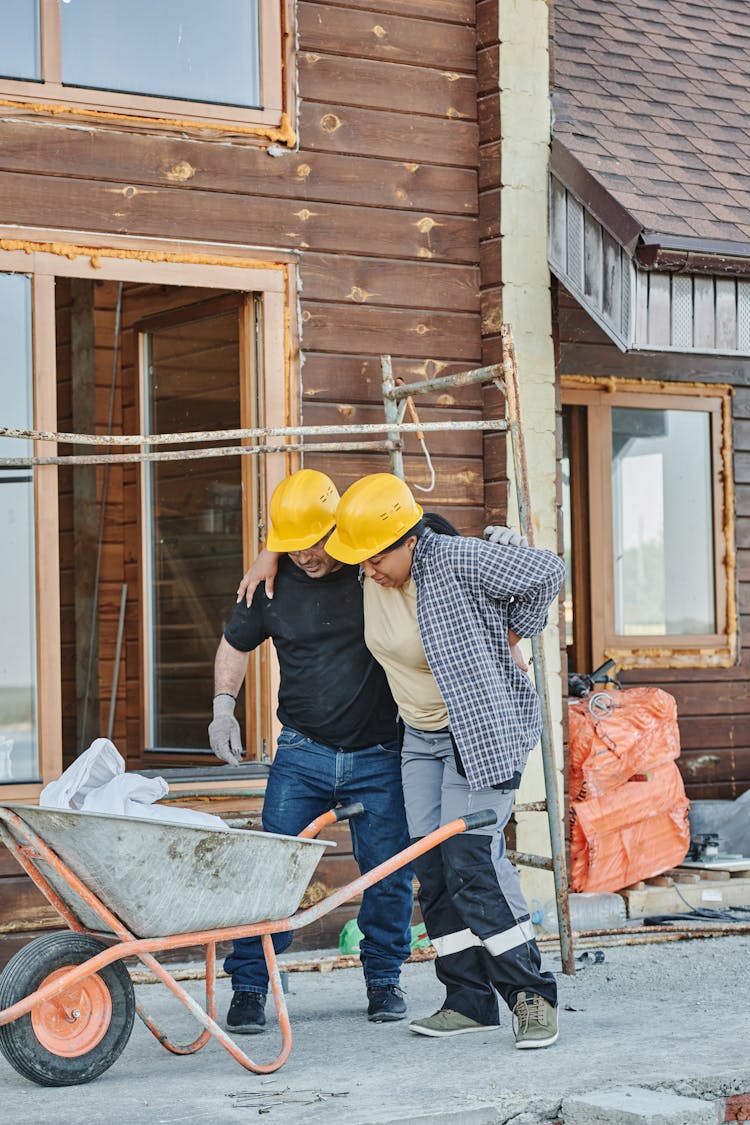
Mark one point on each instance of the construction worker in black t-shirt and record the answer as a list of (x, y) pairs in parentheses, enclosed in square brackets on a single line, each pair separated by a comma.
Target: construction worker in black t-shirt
[(338, 739)]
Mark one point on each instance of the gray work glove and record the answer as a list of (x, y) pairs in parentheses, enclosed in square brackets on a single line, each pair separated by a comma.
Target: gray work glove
[(505, 536), (224, 732)]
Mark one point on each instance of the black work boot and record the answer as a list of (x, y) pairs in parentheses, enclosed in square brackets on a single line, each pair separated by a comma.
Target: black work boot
[(247, 1013), (386, 1003)]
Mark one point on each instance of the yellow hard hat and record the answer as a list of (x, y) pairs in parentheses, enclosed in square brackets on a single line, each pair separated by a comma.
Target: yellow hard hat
[(372, 515), (302, 511)]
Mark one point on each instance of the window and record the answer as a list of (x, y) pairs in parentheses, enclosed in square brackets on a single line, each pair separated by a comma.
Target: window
[(111, 611), (19, 760), (193, 372), (147, 58), (646, 526)]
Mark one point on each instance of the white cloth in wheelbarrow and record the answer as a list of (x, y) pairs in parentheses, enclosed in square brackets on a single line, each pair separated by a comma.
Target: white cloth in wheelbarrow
[(469, 891), (97, 782)]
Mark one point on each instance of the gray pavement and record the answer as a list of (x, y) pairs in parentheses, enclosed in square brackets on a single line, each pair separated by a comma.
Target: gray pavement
[(670, 1018)]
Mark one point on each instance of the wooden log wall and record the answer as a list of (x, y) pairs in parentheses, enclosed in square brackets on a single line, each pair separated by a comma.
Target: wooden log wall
[(380, 206), (380, 202), (713, 704), (488, 118)]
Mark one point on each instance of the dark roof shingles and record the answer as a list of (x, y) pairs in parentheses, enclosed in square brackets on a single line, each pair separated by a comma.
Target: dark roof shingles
[(652, 97)]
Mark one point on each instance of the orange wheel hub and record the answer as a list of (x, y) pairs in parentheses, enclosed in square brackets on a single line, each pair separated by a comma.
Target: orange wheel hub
[(73, 1022)]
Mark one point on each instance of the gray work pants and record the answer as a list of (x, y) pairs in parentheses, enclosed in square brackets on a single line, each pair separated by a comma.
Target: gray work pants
[(470, 894)]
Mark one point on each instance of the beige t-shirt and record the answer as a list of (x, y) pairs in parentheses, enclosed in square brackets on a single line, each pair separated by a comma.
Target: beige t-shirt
[(392, 636)]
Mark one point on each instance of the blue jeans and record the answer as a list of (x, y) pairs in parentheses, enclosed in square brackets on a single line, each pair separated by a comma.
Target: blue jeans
[(305, 780)]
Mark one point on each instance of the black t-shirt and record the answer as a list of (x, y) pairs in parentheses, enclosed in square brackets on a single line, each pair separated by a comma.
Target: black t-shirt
[(331, 688)]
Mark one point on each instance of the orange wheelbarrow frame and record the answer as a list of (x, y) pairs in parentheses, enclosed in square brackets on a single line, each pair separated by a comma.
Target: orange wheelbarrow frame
[(34, 849)]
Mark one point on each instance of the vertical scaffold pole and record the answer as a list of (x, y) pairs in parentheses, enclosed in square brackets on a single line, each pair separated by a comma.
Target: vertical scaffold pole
[(391, 408), (559, 867)]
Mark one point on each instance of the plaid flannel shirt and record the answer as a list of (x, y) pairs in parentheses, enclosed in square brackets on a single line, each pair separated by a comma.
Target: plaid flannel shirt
[(469, 593)]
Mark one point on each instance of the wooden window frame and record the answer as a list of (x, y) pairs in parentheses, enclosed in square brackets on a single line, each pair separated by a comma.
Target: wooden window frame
[(251, 367), (276, 93), (717, 649), (113, 259)]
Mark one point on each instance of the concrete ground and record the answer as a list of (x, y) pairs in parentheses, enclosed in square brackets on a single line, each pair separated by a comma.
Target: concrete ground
[(668, 1019)]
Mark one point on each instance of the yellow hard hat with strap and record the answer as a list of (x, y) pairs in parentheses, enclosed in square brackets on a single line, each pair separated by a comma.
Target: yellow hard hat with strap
[(372, 515), (302, 511)]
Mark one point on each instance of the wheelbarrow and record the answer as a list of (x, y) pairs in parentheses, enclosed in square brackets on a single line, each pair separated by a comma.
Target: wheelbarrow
[(67, 1003)]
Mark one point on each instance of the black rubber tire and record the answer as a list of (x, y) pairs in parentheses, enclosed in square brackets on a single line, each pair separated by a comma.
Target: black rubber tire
[(24, 973)]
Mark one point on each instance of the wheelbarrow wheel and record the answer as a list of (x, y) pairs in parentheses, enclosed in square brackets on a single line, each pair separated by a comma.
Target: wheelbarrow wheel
[(77, 1035)]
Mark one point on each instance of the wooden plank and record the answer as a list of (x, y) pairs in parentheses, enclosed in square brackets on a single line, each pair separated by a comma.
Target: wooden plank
[(701, 766), (489, 214), (185, 166), (488, 68), (357, 328), (492, 310), (321, 227), (456, 482), (710, 734), (358, 379), (488, 114), (446, 11), (487, 23), (25, 907), (390, 38), (726, 314), (408, 89), (729, 698), (489, 166), (453, 443), (704, 312), (328, 127), (658, 310), (490, 262), (668, 900), (11, 943), (375, 281), (741, 442)]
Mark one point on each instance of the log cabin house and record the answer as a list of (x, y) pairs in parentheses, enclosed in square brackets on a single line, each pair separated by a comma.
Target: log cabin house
[(227, 221)]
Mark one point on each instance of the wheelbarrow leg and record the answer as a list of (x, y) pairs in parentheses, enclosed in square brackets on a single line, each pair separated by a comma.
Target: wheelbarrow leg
[(279, 999), (209, 1022), (205, 1035)]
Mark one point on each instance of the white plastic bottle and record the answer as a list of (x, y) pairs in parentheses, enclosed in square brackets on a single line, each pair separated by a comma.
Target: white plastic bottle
[(593, 911)]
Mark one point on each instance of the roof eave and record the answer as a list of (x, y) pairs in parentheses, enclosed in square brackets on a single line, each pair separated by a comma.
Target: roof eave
[(651, 250), (673, 254), (621, 224)]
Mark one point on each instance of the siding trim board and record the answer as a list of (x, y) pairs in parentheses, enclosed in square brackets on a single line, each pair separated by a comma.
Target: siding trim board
[(643, 310)]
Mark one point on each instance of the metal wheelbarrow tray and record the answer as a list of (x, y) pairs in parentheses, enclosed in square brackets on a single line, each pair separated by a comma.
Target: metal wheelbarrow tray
[(67, 1002)]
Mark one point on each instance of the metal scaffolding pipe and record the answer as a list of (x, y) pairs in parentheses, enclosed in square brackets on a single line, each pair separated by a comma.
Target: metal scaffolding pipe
[(443, 383), (559, 868), (242, 435)]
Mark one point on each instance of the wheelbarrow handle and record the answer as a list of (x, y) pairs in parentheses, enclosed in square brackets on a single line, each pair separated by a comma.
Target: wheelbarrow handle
[(348, 811), (333, 816), (479, 819)]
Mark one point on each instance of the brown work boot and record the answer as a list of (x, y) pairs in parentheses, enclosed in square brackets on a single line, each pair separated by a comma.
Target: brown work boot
[(534, 1022)]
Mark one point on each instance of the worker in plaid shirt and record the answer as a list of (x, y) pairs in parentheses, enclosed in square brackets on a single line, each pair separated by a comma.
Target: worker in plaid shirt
[(444, 615)]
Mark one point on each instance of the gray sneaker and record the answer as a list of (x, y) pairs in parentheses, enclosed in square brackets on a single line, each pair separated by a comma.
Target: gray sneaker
[(448, 1022), (534, 1022)]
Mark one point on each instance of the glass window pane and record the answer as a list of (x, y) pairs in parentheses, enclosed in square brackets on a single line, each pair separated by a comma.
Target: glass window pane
[(662, 522), (19, 42), (174, 48), (19, 759), (567, 531), (195, 523)]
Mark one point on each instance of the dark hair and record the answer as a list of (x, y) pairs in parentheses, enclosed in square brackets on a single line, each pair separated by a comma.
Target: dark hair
[(430, 520)]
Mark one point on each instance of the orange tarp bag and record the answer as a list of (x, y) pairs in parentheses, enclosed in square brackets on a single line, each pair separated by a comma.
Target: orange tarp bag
[(628, 804), (635, 730), (632, 832)]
